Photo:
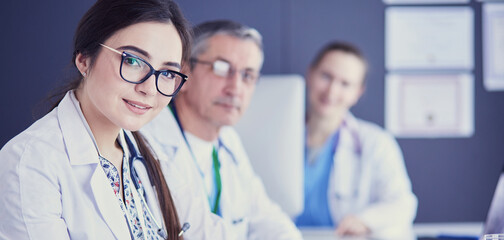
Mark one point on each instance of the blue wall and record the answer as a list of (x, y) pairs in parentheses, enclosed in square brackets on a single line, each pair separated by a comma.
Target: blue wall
[(453, 178)]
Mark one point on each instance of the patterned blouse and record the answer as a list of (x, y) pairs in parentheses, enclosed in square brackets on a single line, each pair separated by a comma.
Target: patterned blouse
[(129, 206)]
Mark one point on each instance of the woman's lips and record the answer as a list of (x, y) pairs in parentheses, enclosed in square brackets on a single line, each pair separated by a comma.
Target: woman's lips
[(137, 107)]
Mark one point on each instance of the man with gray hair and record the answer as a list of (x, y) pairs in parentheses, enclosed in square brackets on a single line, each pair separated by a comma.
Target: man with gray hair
[(225, 64)]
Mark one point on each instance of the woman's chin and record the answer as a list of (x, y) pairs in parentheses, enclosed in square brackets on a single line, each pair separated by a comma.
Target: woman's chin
[(133, 126)]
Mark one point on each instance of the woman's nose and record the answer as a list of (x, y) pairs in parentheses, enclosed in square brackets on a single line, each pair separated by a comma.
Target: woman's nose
[(148, 87)]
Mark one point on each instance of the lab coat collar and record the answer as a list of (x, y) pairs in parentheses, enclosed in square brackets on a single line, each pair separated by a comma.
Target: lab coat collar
[(81, 151), (227, 141), (351, 128), (347, 159), (165, 139), (108, 205), (350, 121), (223, 140)]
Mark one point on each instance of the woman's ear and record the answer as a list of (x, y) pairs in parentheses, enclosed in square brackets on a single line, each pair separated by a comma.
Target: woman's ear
[(83, 64)]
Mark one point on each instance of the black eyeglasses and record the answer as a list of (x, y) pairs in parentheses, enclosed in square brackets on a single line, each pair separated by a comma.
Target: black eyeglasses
[(136, 70), (224, 69)]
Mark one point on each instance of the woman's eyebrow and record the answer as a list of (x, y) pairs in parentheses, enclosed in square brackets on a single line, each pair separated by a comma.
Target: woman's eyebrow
[(172, 64), (135, 49), (147, 55)]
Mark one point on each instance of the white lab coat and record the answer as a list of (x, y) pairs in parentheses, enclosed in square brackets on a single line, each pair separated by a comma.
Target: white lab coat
[(53, 186), (244, 203), (369, 179)]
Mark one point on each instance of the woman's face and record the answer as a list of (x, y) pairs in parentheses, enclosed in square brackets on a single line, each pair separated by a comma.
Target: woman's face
[(109, 101), (335, 84)]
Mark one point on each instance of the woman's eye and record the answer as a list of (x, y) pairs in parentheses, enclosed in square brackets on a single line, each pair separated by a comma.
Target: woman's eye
[(169, 75), (132, 61)]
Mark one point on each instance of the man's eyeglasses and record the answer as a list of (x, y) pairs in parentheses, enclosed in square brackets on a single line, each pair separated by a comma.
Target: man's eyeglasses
[(223, 68), (135, 70)]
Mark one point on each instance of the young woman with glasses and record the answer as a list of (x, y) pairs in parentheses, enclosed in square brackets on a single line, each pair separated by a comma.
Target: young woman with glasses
[(82, 171)]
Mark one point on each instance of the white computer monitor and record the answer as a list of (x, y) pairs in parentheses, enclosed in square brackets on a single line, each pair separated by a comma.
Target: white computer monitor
[(272, 131)]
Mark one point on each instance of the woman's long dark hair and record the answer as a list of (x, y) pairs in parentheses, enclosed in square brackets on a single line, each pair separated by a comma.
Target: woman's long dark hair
[(156, 177), (100, 22)]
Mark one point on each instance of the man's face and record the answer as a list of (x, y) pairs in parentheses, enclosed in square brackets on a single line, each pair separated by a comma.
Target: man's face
[(221, 98)]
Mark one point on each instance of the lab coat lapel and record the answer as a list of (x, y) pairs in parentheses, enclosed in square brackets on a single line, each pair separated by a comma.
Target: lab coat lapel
[(108, 204), (181, 161), (227, 143), (164, 136), (82, 151), (163, 132), (346, 160), (78, 141)]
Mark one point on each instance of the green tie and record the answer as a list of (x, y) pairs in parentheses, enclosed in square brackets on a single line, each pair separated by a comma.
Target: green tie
[(216, 167)]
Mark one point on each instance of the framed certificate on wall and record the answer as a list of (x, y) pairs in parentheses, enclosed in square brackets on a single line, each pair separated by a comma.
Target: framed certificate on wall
[(429, 105), (429, 38)]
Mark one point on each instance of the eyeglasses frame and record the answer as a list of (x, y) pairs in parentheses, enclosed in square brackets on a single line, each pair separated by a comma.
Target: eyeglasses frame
[(152, 71), (231, 68)]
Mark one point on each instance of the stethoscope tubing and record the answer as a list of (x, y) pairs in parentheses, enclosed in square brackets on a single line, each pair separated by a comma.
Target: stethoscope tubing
[(136, 156)]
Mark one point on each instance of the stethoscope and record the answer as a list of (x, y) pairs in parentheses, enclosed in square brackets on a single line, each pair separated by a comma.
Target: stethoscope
[(136, 156), (220, 145), (352, 129), (357, 150)]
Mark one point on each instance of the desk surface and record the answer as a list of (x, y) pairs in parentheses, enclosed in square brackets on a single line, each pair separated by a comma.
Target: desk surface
[(419, 229), (436, 229)]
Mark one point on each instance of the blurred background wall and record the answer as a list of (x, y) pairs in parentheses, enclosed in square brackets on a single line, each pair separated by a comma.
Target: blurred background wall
[(454, 178)]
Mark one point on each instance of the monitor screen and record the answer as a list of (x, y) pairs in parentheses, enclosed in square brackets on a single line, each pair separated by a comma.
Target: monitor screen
[(272, 132)]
